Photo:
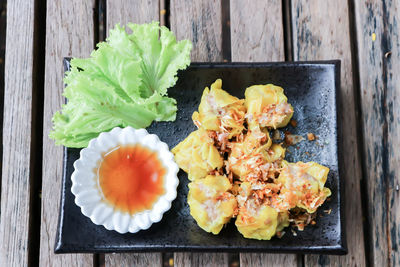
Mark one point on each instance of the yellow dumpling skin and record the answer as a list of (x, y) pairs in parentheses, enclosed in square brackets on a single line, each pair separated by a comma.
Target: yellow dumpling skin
[(303, 185), (283, 220), (267, 106), (257, 222), (197, 155), (275, 153), (219, 111), (245, 156), (256, 158), (210, 203), (257, 219)]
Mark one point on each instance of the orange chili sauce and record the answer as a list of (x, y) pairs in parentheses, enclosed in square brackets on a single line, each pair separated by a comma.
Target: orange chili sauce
[(131, 178)]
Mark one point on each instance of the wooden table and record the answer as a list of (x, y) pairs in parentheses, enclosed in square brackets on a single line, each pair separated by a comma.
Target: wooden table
[(363, 34)]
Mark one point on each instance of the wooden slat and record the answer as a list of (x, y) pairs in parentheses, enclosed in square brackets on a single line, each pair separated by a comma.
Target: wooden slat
[(139, 11), (391, 73), (69, 32), (321, 31), (16, 176), (143, 11), (377, 35), (200, 22), (257, 30), (133, 259), (201, 259), (257, 35), (267, 260)]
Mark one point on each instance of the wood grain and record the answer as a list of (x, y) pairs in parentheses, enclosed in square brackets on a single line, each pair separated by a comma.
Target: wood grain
[(257, 30), (200, 22), (201, 259), (391, 72), (257, 35), (267, 260), (378, 42), (17, 176), (321, 31), (122, 12), (69, 32), (134, 259)]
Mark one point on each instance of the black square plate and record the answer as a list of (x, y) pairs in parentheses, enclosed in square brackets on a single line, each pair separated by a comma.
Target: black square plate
[(311, 87)]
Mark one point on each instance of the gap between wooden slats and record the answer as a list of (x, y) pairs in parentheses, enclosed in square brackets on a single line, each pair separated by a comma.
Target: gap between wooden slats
[(3, 17), (37, 131), (321, 30), (360, 132)]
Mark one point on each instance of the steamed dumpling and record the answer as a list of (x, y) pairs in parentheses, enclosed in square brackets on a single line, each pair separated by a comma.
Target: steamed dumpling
[(245, 156), (257, 219), (219, 111), (260, 222), (256, 158), (267, 106), (197, 155), (210, 203), (303, 185)]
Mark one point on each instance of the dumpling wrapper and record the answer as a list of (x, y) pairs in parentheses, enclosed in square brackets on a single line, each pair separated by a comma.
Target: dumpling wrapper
[(197, 155), (274, 153), (255, 221), (210, 203), (261, 222), (303, 185), (247, 155), (219, 111), (267, 106)]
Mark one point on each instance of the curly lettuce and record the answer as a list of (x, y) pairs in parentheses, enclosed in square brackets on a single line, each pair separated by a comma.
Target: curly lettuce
[(123, 83)]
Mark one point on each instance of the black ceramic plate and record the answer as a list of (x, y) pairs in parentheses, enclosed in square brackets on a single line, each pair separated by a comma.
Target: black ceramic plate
[(311, 87)]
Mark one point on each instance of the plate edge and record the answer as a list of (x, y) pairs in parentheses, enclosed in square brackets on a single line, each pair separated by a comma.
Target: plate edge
[(339, 152), (58, 242)]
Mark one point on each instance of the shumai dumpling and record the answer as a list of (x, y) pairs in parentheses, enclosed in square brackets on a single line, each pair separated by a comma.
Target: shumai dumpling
[(197, 155), (219, 111), (267, 106), (210, 203), (259, 221), (245, 156), (303, 185), (255, 158)]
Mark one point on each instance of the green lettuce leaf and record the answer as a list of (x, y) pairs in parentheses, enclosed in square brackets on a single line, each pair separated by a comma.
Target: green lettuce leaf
[(123, 83)]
